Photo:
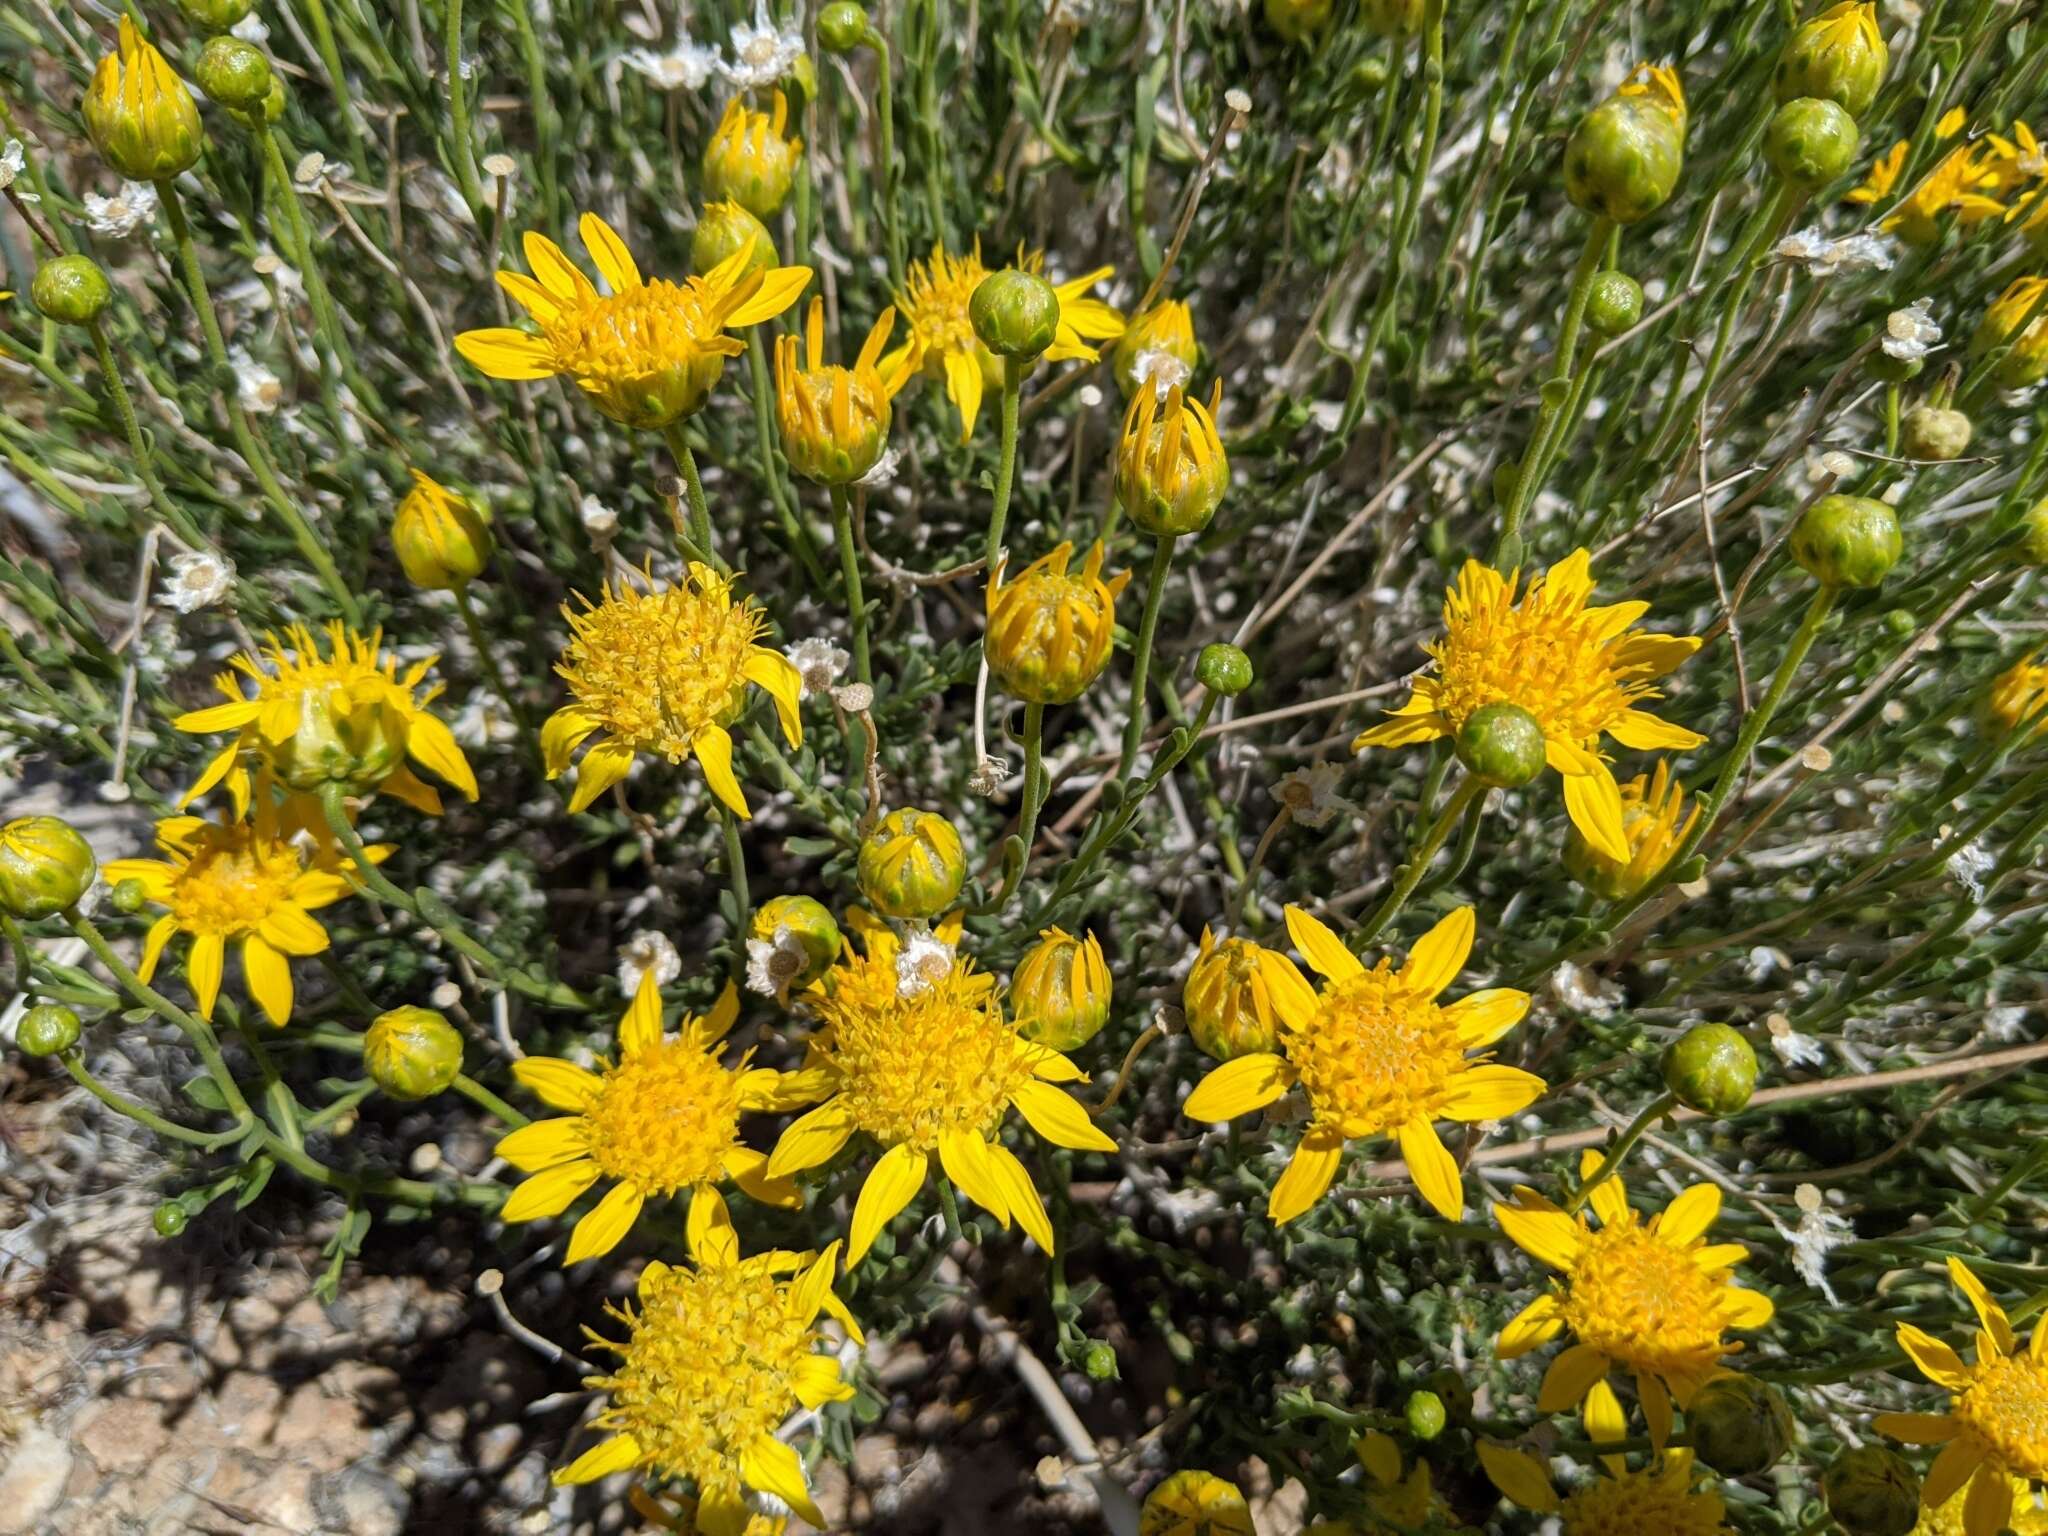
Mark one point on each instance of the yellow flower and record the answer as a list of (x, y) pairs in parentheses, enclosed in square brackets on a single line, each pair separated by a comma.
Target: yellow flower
[(716, 1356), (1049, 633), (1580, 670), (1377, 1055), (1649, 1295), (1650, 810), (1156, 348), (934, 302), (139, 114), (647, 353), (1961, 184), (1226, 1002), (926, 1064), (664, 672), (2016, 160), (1399, 1501), (835, 421), (1996, 1427), (2019, 693), (748, 161), (255, 881), (1659, 1499), (663, 1120), (1171, 470), (2027, 362), (441, 541), (1195, 1503), (2028, 1518), (1883, 175), (347, 717)]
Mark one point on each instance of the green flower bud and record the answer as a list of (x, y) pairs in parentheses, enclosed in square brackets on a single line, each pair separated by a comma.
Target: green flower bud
[(1739, 1425), (233, 73), (1296, 20), (1811, 141), (912, 865), (1624, 158), (412, 1053), (1847, 541), (1060, 991), (1226, 670), (1614, 304), (1935, 432), (2034, 533), (1711, 1068), (261, 115), (1453, 1391), (748, 160), (724, 228), (1369, 76), (1838, 56), (1872, 1492), (842, 26), (139, 114), (1425, 1415), (816, 939), (71, 290), (47, 1030), (45, 867), (1016, 314), (1501, 745), (1101, 1362), (169, 1218), (215, 15), (130, 896), (1392, 18)]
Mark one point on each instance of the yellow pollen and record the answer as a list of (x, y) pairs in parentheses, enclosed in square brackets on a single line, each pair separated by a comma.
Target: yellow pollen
[(1546, 656), (1641, 1300), (657, 669), (1376, 1055), (1639, 1502), (234, 881), (935, 300), (665, 1118), (625, 337), (708, 1369), (2006, 1406)]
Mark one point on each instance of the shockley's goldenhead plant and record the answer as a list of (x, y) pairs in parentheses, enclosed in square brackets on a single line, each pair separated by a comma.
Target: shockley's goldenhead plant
[(1315, 725)]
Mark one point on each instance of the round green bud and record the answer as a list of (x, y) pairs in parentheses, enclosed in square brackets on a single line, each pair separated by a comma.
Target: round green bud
[(1811, 141), (802, 939), (169, 1218), (1425, 1415), (1501, 745), (1614, 304), (1847, 541), (1739, 1425), (1369, 76), (1296, 20), (727, 227), (1900, 622), (1100, 1362), (1624, 158), (1392, 18), (1711, 1068), (233, 73), (412, 1053), (1453, 1391), (1872, 1492), (842, 26), (262, 114), (45, 866), (129, 895), (2034, 533), (1838, 55), (47, 1030), (911, 864), (1016, 314), (1934, 432), (1223, 669), (215, 15), (71, 290)]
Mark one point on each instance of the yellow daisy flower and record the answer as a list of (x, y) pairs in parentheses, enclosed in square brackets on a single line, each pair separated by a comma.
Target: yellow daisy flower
[(1377, 1055), (648, 353), (663, 1120), (1660, 1498), (2016, 160), (1580, 670), (665, 672), (925, 1064), (348, 716), (835, 421), (2019, 694), (934, 302), (1996, 1429), (1883, 175), (254, 881), (1651, 810), (2028, 1518), (1649, 1295), (717, 1355), (1398, 1500), (1961, 184), (1195, 1503)]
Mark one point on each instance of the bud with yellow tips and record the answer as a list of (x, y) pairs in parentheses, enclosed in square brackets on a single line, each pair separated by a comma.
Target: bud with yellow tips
[(1157, 348), (1171, 470), (2026, 363), (834, 420), (912, 864), (1654, 822), (139, 114), (1624, 158), (726, 227), (1050, 631), (1060, 991), (749, 161), (412, 1053), (440, 539), (1838, 56), (1228, 1009)]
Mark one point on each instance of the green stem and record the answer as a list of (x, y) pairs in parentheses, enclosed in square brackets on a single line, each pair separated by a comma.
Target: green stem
[(736, 873), (892, 224), (1610, 1165), (1141, 654), (849, 575), (693, 487), (24, 953), (142, 1114), (117, 391), (1006, 464), (330, 61), (488, 1101), (463, 146), (1419, 860), (780, 492)]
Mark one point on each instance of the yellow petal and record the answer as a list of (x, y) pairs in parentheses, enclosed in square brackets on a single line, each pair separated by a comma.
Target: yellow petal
[(1401, 730), (1483, 1017), (1917, 1428), (557, 1083), (963, 387), (549, 1192), (776, 676), (218, 717), (1026, 1209), (543, 1144), (1646, 733), (621, 1453), (1532, 1327), (609, 254), (1593, 801), (269, 976), (811, 1140), (749, 1169), (769, 1466), (708, 1230), (1293, 998), (1689, 1216), (964, 1157), (1989, 1312), (1656, 1407), (891, 1185), (1570, 1378), (1307, 1175), (780, 288), (640, 1029), (1938, 1363), (1951, 1469), (431, 744), (1323, 950), (602, 767), (714, 753), (1058, 1118), (1989, 1508), (1745, 1308), (557, 273), (1520, 1476), (1433, 1168), (1439, 954), (1605, 1423), (1490, 1092), (202, 971), (1238, 1087), (153, 944), (605, 1224), (500, 352), (1549, 1235), (562, 733), (289, 930)]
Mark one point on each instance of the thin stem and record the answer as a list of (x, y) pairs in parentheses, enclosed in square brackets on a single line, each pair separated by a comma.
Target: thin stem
[(736, 873), (772, 467), (142, 1114), (488, 1101), (458, 114), (124, 407), (892, 227), (1419, 859), (693, 485), (1610, 1165), (1141, 655), (849, 575), (1006, 465)]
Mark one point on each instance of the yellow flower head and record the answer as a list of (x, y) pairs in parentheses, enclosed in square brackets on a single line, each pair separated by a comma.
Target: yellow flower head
[(1049, 632), (663, 1120), (934, 302), (2016, 160), (253, 881), (646, 353), (1962, 184), (665, 673), (1839, 56), (441, 541), (1398, 1500), (348, 716), (911, 864), (1195, 1504), (1996, 1427), (1171, 470), (1651, 1296), (1651, 811), (1060, 990), (2027, 363), (1883, 176), (717, 1356), (1580, 670), (1376, 1055), (748, 161), (1657, 84), (1156, 348), (1659, 1498), (2020, 694), (923, 1064), (835, 421), (2028, 1518), (138, 113), (1228, 1007)]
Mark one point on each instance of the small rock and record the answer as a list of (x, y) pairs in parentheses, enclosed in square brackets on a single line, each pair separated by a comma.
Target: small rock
[(124, 1435), (33, 1483), (362, 1503)]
